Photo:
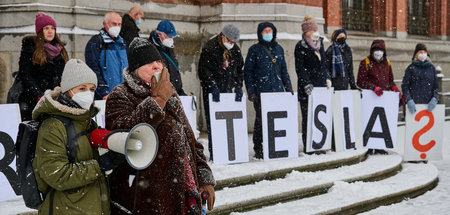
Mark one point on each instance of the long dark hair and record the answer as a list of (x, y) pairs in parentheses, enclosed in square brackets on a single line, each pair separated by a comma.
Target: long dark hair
[(39, 55)]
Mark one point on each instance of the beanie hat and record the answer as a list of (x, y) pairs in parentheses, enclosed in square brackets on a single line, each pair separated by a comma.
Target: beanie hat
[(141, 52), (168, 28), (419, 47), (75, 73), (231, 32), (309, 24), (42, 20)]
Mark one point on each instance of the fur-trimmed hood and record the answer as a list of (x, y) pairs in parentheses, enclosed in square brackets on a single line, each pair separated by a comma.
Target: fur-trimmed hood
[(50, 105)]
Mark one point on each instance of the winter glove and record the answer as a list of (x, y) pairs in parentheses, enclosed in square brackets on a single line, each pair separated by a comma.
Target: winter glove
[(378, 91), (181, 92), (411, 106), (328, 83), (212, 197), (215, 93), (287, 89), (252, 97), (110, 160), (309, 89), (432, 104), (162, 90), (395, 89), (239, 93)]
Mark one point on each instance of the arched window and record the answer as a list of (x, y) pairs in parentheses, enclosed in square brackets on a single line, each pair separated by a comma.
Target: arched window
[(356, 15), (418, 17)]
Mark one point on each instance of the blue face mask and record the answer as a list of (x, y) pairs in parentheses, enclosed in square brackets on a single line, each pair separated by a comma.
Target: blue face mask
[(139, 21), (267, 37)]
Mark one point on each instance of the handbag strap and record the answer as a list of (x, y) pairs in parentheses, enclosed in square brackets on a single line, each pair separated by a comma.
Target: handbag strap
[(170, 59), (274, 60)]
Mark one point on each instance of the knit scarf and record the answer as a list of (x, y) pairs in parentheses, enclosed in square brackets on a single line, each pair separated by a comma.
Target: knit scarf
[(227, 59), (315, 47), (52, 50), (337, 63), (191, 189)]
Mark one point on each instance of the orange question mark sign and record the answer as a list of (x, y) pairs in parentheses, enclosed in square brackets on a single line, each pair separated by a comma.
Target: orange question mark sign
[(415, 141)]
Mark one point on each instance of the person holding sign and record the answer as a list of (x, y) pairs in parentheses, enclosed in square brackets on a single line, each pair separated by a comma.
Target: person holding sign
[(375, 73), (265, 71), (311, 67), (220, 70), (42, 60), (179, 173), (75, 186), (420, 83)]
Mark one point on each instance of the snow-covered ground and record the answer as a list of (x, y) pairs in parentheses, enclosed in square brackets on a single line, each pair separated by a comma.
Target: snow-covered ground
[(432, 202)]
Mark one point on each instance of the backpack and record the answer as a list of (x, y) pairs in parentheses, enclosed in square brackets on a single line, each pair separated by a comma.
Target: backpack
[(367, 60), (25, 151)]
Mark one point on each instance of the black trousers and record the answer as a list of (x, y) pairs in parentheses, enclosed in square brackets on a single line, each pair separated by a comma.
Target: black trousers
[(304, 110), (257, 129), (205, 93)]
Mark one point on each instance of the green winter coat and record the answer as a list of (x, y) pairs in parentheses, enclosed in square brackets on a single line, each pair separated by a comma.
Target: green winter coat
[(80, 187)]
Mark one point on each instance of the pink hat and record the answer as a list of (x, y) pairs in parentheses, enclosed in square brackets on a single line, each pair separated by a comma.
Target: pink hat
[(309, 24), (42, 20)]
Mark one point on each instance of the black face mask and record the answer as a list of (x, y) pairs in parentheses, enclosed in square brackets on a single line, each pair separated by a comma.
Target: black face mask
[(341, 40)]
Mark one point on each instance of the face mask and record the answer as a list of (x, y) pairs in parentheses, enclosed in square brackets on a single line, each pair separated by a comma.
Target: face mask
[(114, 31), (422, 57), (341, 40), (378, 55), (228, 45), (157, 76), (267, 37), (138, 22), (84, 99), (315, 35), (168, 42)]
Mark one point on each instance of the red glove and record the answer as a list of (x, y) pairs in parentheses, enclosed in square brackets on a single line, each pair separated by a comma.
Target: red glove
[(395, 89), (96, 138), (378, 91)]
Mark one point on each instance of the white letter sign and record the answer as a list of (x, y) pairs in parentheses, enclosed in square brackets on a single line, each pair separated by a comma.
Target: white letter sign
[(318, 136)]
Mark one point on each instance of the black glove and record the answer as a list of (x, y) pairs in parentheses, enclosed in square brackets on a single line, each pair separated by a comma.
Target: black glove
[(215, 93), (181, 92), (287, 89), (252, 97), (110, 160), (239, 93)]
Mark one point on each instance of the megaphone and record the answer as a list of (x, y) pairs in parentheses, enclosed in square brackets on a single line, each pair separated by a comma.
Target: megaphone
[(139, 145)]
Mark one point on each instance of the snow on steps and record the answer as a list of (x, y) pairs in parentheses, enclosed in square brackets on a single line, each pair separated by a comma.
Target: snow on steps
[(351, 198), (251, 172), (302, 184)]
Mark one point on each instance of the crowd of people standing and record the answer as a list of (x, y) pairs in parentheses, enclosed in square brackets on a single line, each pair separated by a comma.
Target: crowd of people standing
[(140, 80)]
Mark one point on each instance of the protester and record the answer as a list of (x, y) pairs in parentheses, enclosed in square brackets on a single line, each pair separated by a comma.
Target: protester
[(265, 71), (220, 70), (77, 187), (420, 83), (311, 67), (171, 184), (375, 73), (130, 22), (162, 39), (106, 54), (41, 63)]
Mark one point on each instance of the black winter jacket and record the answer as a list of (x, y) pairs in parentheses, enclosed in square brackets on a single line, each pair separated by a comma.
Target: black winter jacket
[(36, 79), (420, 82), (310, 69), (170, 62), (129, 29), (339, 82), (211, 72)]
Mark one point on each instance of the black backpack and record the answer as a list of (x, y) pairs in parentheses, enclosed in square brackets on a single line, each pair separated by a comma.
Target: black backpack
[(25, 150)]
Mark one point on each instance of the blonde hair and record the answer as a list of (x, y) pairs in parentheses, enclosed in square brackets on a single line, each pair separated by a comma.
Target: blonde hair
[(307, 18)]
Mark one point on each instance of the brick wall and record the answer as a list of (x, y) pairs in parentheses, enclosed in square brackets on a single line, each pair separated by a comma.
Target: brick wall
[(314, 3)]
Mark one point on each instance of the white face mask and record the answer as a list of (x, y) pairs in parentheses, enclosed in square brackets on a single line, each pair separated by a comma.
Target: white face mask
[(315, 35), (378, 55), (84, 99), (422, 57), (228, 45), (168, 42), (114, 31)]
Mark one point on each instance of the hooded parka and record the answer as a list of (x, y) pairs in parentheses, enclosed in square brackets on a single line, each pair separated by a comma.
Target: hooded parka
[(160, 188), (80, 187), (420, 82)]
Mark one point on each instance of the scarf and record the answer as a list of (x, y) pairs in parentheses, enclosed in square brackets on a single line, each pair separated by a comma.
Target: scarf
[(421, 64), (191, 189), (337, 63), (227, 59), (52, 50), (315, 47)]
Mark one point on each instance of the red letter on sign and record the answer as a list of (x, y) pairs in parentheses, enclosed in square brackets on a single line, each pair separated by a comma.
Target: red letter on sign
[(415, 141)]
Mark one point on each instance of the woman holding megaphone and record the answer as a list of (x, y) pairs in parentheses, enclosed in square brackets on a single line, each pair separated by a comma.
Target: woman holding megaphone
[(172, 183), (73, 180)]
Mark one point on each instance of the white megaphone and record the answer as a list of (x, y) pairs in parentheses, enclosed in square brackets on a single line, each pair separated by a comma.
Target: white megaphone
[(139, 145)]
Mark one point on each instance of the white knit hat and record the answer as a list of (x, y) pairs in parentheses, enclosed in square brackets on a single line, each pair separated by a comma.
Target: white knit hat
[(75, 73)]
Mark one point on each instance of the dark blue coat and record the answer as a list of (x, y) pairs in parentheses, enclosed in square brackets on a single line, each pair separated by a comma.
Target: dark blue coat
[(310, 69), (420, 82), (260, 74)]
